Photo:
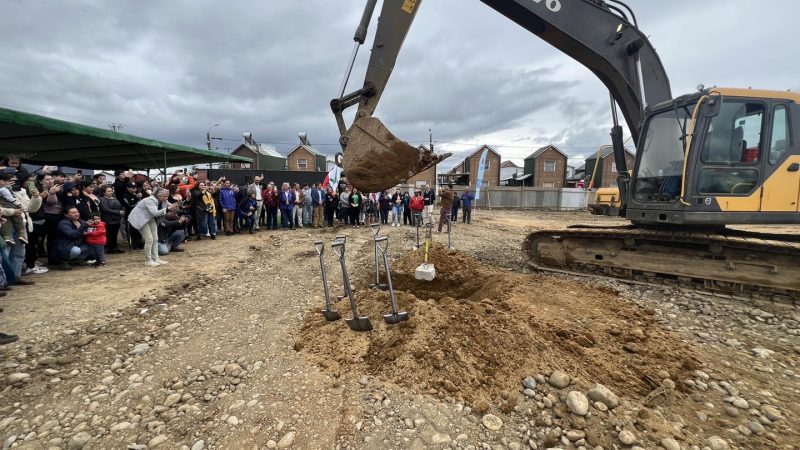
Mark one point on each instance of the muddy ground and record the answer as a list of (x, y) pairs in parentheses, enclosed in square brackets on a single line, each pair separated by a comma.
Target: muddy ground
[(225, 348)]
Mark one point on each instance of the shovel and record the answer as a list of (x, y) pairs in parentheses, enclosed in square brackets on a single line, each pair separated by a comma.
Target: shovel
[(449, 228), (396, 316), (357, 322), (376, 228), (417, 220), (329, 314), (343, 239)]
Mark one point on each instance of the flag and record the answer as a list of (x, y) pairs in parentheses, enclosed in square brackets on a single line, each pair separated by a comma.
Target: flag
[(333, 177), (481, 168)]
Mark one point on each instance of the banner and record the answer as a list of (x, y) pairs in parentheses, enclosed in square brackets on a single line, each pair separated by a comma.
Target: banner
[(481, 169)]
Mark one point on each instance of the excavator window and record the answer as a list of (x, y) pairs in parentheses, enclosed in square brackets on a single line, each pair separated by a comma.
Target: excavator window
[(660, 169), (779, 143), (734, 135)]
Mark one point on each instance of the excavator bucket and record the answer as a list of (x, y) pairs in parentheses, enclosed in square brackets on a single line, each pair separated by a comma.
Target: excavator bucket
[(375, 160)]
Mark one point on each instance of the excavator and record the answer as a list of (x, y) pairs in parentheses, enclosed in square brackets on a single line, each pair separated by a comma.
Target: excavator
[(704, 160)]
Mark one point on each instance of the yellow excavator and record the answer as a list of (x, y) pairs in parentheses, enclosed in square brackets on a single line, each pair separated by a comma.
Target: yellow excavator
[(711, 158)]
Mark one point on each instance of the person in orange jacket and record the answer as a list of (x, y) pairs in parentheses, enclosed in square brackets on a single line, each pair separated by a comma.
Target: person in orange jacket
[(95, 237)]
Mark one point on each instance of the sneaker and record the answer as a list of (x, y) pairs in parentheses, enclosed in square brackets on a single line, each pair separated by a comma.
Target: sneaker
[(10, 242), (66, 266), (161, 262), (8, 338), (91, 261), (213, 236), (118, 251), (151, 264), (24, 282)]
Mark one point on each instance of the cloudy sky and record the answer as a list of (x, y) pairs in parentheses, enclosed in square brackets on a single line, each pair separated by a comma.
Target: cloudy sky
[(172, 69)]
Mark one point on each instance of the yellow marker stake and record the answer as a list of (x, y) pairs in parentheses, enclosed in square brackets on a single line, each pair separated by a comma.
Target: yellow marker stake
[(426, 251)]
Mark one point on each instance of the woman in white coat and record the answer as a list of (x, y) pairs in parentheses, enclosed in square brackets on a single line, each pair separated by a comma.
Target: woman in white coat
[(144, 218)]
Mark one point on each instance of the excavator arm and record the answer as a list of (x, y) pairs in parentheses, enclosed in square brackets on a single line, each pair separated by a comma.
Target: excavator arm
[(601, 35)]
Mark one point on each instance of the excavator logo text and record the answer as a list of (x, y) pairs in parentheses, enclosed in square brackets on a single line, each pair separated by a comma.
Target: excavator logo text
[(552, 5)]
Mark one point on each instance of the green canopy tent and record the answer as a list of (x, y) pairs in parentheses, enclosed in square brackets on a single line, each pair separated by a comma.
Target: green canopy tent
[(43, 140)]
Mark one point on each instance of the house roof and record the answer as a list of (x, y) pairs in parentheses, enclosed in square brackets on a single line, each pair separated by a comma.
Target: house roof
[(473, 154), (261, 149), (509, 163), (44, 140), (538, 153), (519, 178), (604, 151), (309, 148)]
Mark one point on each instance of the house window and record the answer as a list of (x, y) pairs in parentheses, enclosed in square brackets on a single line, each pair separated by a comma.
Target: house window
[(302, 163), (549, 166), (488, 164), (613, 167), (548, 185), (421, 183)]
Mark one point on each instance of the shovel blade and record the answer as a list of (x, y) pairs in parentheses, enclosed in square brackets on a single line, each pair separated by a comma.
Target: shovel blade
[(331, 315), (395, 318), (376, 160), (359, 323)]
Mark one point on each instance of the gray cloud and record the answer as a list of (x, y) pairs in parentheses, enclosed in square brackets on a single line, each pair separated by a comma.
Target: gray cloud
[(169, 70)]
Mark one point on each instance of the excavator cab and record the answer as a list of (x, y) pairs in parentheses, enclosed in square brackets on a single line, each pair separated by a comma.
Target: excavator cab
[(721, 156)]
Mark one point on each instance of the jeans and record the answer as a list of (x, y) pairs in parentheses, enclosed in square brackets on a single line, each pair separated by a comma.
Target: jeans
[(344, 214), (286, 217), (384, 216), (397, 214), (97, 252), (79, 252), (467, 214), (454, 215), (16, 256), (329, 216), (150, 234), (407, 220), (308, 213), (207, 226), (272, 217), (172, 242), (32, 249)]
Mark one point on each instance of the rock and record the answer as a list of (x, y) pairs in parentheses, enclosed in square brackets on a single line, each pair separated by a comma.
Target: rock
[(46, 361), (559, 379), (717, 443), (201, 444), (626, 437), (172, 399), (17, 377), (529, 393), (762, 352), (575, 435), (9, 442), (172, 326), (756, 427), (740, 403), (79, 441), (156, 441), (600, 406), (121, 426), (233, 420), (577, 403), (84, 340), (233, 369), (492, 422), (529, 383), (287, 440), (602, 394), (440, 438), (771, 412), (140, 349), (670, 444), (271, 444)]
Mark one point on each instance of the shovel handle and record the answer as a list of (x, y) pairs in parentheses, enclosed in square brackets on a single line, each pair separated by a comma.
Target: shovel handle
[(375, 228), (338, 248), (319, 246), (382, 243)]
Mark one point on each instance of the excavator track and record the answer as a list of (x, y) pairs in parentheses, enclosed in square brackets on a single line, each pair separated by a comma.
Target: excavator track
[(732, 263)]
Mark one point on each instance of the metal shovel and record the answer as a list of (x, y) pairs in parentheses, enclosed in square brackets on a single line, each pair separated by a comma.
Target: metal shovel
[(449, 227), (357, 322), (396, 316), (343, 239), (376, 228), (417, 221), (329, 314)]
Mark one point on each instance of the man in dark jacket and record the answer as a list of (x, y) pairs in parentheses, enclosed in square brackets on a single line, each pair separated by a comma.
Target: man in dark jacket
[(466, 204), (286, 197), (171, 233)]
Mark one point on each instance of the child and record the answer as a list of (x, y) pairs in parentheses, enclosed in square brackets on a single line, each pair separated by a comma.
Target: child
[(17, 223), (96, 239)]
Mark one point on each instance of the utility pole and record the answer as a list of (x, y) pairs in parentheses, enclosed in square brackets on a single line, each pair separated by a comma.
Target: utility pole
[(115, 126)]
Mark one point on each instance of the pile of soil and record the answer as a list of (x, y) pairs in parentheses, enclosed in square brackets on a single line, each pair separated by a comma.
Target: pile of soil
[(475, 332)]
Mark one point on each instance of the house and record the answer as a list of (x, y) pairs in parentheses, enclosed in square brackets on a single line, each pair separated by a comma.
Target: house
[(547, 168), (606, 173), (264, 157), (425, 178), (508, 172), (577, 178), (305, 157), (466, 172)]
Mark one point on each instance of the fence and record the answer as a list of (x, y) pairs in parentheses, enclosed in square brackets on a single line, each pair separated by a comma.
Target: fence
[(528, 197)]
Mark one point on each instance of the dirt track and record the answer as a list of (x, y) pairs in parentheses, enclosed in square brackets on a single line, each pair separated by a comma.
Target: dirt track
[(237, 354)]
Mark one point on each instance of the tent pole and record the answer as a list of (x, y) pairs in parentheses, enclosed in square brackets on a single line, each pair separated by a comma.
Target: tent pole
[(165, 167)]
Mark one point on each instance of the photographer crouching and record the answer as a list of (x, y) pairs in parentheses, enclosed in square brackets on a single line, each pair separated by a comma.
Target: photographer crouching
[(171, 232)]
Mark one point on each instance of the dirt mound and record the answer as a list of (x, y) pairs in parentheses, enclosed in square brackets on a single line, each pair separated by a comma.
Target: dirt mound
[(475, 332)]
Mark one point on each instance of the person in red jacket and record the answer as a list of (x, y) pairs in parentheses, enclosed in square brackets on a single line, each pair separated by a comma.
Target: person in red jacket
[(95, 237), (417, 204)]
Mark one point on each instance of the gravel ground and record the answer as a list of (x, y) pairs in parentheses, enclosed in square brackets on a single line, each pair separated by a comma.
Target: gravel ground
[(207, 353)]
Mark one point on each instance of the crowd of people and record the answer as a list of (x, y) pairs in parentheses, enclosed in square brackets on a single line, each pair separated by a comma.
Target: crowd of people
[(73, 221)]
